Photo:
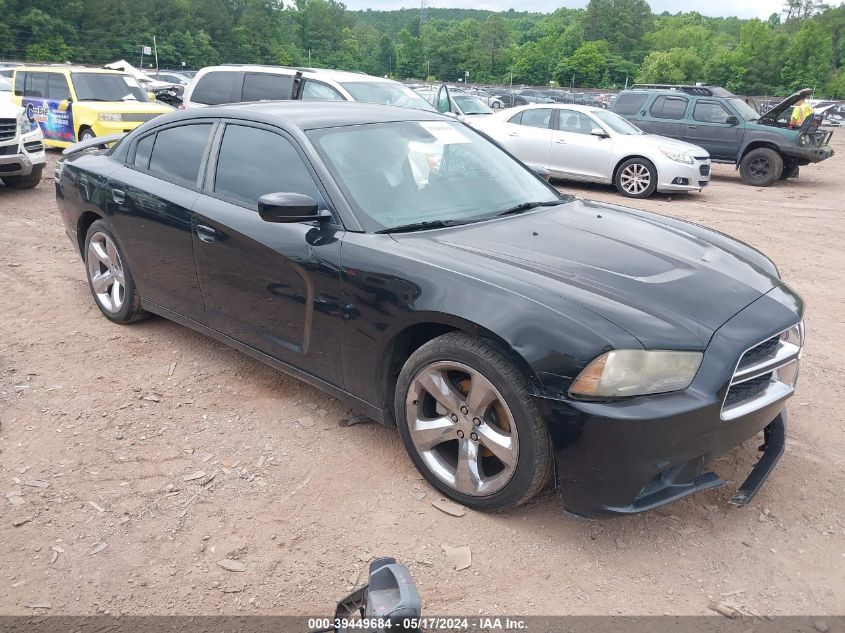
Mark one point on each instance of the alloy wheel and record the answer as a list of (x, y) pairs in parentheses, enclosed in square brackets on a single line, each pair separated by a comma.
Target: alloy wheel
[(105, 271), (759, 167), (635, 178), (462, 428)]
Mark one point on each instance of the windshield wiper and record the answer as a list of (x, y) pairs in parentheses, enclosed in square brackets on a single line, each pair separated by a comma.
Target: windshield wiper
[(421, 226), (527, 206)]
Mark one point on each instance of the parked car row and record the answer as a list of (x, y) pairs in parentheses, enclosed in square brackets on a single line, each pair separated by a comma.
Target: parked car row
[(666, 141)]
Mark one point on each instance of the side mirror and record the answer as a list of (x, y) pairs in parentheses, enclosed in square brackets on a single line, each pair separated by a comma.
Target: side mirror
[(64, 104), (287, 207), (597, 131), (732, 120)]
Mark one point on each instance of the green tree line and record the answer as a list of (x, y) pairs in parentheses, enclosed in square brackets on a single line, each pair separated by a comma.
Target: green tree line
[(607, 44)]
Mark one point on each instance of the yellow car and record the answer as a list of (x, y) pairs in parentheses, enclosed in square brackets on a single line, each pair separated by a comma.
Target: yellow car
[(75, 104)]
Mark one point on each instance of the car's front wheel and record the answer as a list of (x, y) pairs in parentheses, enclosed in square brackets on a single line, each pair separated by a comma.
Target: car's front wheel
[(86, 134), (636, 178), (761, 167), (469, 423), (109, 277)]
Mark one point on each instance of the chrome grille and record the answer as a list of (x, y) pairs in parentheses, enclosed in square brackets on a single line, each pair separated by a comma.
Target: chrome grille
[(8, 129), (765, 373)]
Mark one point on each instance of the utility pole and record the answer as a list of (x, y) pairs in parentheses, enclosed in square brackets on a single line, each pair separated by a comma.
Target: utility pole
[(155, 48)]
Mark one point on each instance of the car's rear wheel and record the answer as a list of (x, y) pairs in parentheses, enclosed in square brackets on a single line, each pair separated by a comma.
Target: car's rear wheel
[(109, 277), (636, 178), (469, 424), (761, 167)]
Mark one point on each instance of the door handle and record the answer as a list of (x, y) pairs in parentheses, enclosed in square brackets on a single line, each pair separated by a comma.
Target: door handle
[(513, 134), (692, 127), (561, 141), (206, 233), (118, 196)]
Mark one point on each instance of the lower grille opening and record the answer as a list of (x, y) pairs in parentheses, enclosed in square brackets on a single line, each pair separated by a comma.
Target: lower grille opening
[(34, 146), (748, 389)]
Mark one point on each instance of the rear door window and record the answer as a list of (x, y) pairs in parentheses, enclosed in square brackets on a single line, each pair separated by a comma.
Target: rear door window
[(629, 103), (539, 117), (267, 87), (222, 86), (666, 107), (178, 151)]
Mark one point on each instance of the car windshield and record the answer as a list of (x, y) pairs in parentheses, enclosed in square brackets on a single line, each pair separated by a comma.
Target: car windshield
[(745, 111), (409, 172), (617, 123), (386, 93), (107, 87), (471, 105), (5, 86)]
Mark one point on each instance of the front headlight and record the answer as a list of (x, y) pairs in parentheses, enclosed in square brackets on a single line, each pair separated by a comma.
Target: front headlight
[(677, 155), (24, 125), (110, 116), (633, 372)]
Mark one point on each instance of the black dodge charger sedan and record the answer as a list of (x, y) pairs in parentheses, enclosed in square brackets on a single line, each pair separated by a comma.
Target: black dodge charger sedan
[(409, 266)]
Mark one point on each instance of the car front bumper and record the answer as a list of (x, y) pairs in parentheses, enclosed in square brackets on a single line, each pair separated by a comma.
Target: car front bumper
[(675, 176), (633, 455), (18, 158)]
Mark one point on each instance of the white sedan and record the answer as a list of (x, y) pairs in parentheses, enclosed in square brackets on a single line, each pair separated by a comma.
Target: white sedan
[(590, 144)]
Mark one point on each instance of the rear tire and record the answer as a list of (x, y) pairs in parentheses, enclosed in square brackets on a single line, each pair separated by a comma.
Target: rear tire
[(109, 278), (29, 181), (481, 441), (761, 167), (636, 178)]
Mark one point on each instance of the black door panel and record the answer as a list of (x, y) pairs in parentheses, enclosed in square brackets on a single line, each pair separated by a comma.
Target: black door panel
[(154, 227), (274, 287)]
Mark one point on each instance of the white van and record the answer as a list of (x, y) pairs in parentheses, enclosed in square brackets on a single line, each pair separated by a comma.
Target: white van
[(216, 85)]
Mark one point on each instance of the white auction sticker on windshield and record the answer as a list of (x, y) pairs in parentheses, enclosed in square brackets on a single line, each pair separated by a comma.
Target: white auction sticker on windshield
[(131, 82), (444, 133)]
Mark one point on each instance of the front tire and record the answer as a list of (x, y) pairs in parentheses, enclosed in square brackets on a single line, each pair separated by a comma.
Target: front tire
[(109, 277), (29, 181), (469, 424), (636, 178), (86, 134), (761, 167)]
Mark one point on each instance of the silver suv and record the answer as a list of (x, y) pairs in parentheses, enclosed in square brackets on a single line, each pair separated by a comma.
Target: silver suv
[(216, 85)]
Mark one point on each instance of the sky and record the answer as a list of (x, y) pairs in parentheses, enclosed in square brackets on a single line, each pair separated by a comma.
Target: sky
[(739, 8)]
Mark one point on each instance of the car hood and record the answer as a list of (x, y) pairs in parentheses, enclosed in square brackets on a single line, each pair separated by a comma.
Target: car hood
[(791, 100), (666, 282)]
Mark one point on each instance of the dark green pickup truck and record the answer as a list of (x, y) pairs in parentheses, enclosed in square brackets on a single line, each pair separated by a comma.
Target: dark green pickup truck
[(762, 147)]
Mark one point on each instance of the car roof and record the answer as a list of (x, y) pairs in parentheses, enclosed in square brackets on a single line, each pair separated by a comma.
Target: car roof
[(310, 115), (557, 106), (324, 73), (700, 91), (63, 67)]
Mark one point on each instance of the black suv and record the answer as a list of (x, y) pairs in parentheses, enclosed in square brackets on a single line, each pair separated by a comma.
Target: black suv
[(763, 147)]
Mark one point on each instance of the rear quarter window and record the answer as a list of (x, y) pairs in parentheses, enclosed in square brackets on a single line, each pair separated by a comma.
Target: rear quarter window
[(629, 103), (218, 87)]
